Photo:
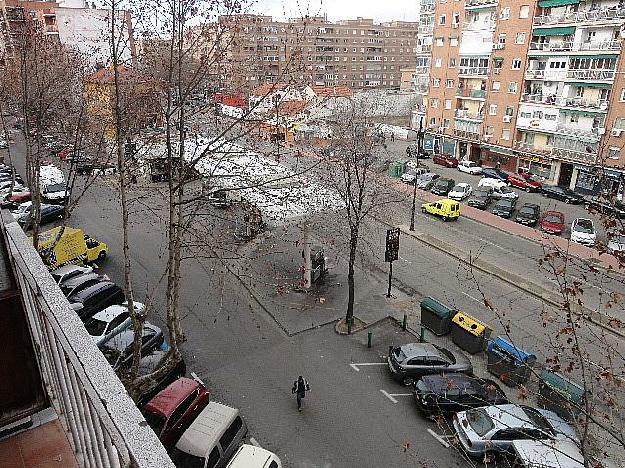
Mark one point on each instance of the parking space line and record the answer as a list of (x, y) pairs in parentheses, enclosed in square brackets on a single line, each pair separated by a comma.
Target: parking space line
[(355, 365), (471, 297), (254, 442), (196, 378), (438, 437), (389, 396)]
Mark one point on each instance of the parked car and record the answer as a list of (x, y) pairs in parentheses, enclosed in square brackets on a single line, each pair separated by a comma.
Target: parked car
[(445, 160), (561, 193), (212, 438), (173, 409), (3, 144), (118, 348), (426, 181), (48, 214), (583, 231), (412, 174), (446, 209), (470, 167), (13, 199), (546, 453), (69, 271), (251, 456), (495, 173), (66, 152), (442, 186), (528, 214), (527, 184), (147, 365), (111, 321), (411, 361), (504, 207), (500, 188), (96, 298), (605, 205), (75, 284), (450, 393), (493, 428), (616, 244), (460, 191), (552, 222), (481, 197), (56, 193)]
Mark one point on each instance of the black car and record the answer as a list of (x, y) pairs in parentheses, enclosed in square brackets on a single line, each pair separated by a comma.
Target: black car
[(504, 207), (605, 205), (561, 193), (528, 214), (74, 284), (118, 348), (443, 186), (450, 393), (87, 302), (481, 197), (49, 213), (495, 173)]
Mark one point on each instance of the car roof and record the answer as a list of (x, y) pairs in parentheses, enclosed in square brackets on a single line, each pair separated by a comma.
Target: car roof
[(122, 340), (549, 453), (250, 455), (167, 400), (509, 416), (530, 205), (206, 429), (554, 213), (438, 383), (420, 349), (85, 293), (65, 269), (79, 279), (110, 313)]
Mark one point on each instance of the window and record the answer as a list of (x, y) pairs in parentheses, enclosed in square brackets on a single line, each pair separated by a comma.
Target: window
[(509, 110), (442, 19), (516, 64), (436, 82), (505, 134), (513, 86), (445, 123), (440, 41), (450, 83), (505, 13), (456, 19), (438, 63), (489, 129), (496, 85), (574, 118), (434, 103), (182, 408), (520, 38), (492, 110), (447, 103), (452, 64), (614, 152), (273, 464), (619, 123), (622, 94), (231, 433), (453, 41), (524, 11), (502, 38), (433, 121)]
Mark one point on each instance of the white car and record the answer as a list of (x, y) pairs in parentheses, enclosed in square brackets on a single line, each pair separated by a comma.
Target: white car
[(470, 167), (69, 271), (56, 193), (583, 231), (3, 144), (616, 244), (460, 192), (111, 321), (411, 175), (500, 188)]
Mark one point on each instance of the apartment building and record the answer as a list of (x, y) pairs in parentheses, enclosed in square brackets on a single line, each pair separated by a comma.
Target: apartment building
[(424, 57), (357, 53), (533, 85)]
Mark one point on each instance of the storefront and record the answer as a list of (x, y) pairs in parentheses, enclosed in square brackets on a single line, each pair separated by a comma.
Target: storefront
[(540, 166), (594, 180), (439, 144), (498, 156)]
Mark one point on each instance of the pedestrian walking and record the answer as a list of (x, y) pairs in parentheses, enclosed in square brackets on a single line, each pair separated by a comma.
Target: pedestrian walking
[(393, 137), (300, 387)]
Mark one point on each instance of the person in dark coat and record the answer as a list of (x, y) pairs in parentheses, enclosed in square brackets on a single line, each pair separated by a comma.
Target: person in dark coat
[(300, 387)]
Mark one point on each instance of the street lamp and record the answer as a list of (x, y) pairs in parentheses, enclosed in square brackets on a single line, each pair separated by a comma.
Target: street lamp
[(417, 152)]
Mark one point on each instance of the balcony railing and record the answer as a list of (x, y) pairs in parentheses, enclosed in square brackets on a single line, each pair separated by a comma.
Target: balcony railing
[(465, 114), (601, 14), (573, 130), (468, 134), (473, 71), (102, 423), (569, 154), (600, 74), (422, 70), (533, 74), (425, 28), (428, 7), (600, 104), (479, 26), (471, 93), (575, 46), (480, 3), (424, 48)]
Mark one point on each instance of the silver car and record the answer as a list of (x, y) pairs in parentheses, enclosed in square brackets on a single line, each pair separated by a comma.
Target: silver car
[(616, 244), (494, 428)]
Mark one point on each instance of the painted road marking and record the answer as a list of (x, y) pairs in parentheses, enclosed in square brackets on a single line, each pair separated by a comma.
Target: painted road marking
[(355, 365), (196, 378), (471, 297), (254, 442), (440, 438), (391, 396)]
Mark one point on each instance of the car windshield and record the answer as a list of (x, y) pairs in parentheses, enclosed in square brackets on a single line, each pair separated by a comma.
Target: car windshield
[(538, 420), (449, 357), (506, 190), (618, 240), (528, 210), (480, 421), (399, 354), (585, 226), (458, 188), (553, 219), (95, 327), (504, 203), (55, 188), (156, 422)]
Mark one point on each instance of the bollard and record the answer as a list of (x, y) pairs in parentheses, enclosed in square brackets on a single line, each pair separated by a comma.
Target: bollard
[(349, 327), (422, 335), (369, 339), (404, 324)]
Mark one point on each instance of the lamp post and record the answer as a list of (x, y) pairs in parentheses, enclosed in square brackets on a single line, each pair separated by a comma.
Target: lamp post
[(410, 151)]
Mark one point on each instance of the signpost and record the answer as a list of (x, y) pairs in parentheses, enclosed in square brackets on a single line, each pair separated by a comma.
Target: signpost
[(391, 254)]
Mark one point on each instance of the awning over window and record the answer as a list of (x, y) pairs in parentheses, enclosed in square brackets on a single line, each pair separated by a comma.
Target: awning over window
[(498, 149), (562, 31), (593, 85), (556, 3), (596, 56), (581, 112)]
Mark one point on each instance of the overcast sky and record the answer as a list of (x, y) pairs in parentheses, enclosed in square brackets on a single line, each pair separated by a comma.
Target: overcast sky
[(379, 10)]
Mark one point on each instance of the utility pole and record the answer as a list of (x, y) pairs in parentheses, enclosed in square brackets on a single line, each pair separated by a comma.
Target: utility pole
[(414, 184)]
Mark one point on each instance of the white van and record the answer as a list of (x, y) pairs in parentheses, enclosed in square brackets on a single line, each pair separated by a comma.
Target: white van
[(250, 456), (211, 439), (500, 188)]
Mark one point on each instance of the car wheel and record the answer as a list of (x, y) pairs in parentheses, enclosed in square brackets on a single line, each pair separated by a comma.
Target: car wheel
[(527, 189), (423, 210), (544, 194), (445, 218), (102, 255), (408, 381), (567, 200)]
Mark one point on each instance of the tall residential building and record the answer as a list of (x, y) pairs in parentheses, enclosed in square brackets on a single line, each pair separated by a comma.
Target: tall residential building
[(534, 86), (424, 57), (358, 53)]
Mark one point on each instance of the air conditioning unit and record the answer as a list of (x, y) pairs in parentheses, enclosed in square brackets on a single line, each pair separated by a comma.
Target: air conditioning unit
[(601, 131), (616, 132), (507, 118)]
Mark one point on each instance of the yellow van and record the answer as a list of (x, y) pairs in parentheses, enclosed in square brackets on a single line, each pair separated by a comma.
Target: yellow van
[(445, 208)]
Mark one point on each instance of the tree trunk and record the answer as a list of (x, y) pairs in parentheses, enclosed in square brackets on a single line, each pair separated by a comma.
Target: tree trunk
[(353, 244)]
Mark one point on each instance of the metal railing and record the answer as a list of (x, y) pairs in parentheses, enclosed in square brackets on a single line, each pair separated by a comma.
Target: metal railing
[(575, 46), (562, 153), (601, 74), (601, 14), (574, 130), (425, 28), (479, 3), (600, 104), (422, 70), (479, 26), (471, 93), (424, 48), (473, 71), (535, 74), (103, 425), (465, 114)]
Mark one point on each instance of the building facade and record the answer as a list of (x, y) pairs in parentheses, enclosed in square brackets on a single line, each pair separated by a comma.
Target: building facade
[(357, 53), (531, 86)]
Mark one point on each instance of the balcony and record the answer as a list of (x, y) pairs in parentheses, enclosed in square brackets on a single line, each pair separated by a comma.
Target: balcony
[(474, 4), (577, 154), (467, 134), (573, 130), (597, 74), (464, 114), (574, 46), (542, 74), (99, 421), (589, 16), (479, 26), (428, 7), (422, 70), (578, 102), (471, 94), (424, 49), (473, 71), (425, 29)]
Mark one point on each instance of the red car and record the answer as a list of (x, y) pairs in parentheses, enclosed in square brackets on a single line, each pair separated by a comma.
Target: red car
[(552, 222), (66, 152), (173, 409), (527, 183), (445, 160)]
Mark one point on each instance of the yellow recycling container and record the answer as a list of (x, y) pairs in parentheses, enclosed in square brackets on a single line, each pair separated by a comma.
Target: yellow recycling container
[(469, 333)]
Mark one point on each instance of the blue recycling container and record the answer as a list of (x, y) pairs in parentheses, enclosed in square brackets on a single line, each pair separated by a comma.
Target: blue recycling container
[(509, 362)]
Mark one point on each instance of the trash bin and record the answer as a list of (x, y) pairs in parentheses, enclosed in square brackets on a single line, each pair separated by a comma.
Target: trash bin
[(561, 395), (469, 333), (436, 316), (396, 169), (508, 362)]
